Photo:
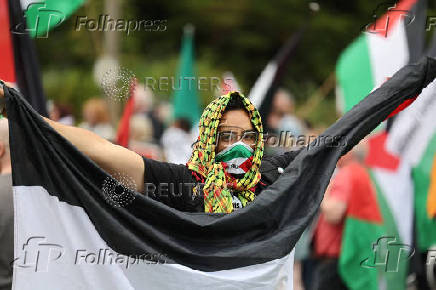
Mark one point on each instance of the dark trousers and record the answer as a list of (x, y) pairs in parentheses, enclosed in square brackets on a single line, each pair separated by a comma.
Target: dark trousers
[(327, 276)]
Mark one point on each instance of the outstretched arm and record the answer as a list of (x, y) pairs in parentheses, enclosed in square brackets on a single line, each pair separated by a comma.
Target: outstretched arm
[(110, 157)]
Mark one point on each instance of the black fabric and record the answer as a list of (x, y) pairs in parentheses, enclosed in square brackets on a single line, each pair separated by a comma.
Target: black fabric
[(414, 21), (266, 229), (172, 184), (26, 61)]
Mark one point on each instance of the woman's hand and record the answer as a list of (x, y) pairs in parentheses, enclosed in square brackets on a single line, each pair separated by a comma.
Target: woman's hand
[(2, 93), (2, 98)]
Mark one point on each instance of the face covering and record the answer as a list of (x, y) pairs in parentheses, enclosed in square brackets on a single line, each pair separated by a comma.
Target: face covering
[(237, 158)]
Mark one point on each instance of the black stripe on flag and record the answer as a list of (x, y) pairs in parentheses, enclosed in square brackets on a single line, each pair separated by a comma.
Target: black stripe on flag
[(26, 61)]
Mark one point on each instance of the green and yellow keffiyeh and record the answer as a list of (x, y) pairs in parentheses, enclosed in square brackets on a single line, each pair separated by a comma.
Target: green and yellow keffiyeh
[(219, 185)]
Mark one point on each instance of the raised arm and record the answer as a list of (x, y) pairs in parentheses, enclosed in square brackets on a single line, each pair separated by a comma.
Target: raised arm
[(114, 159)]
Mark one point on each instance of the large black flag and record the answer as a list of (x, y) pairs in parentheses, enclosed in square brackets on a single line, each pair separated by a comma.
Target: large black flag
[(61, 207)]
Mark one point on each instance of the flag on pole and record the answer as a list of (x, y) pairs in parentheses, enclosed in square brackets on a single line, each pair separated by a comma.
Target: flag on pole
[(123, 133), (266, 85), (185, 100), (67, 211), (393, 40)]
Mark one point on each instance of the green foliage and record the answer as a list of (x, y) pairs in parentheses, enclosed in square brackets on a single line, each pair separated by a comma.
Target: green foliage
[(240, 36)]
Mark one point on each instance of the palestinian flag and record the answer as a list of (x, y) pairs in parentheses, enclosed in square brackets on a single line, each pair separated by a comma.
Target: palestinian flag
[(78, 227), (186, 102), (266, 85), (393, 189), (373, 255), (392, 175), (369, 233), (395, 38), (237, 160), (413, 138)]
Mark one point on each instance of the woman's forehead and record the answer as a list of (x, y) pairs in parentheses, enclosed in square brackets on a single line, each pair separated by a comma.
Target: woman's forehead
[(236, 118), (222, 128)]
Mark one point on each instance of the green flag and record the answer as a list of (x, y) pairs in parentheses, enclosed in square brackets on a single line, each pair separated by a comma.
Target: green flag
[(43, 15), (185, 100)]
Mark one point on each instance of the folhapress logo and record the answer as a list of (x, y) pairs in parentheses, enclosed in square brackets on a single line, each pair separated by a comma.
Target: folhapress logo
[(390, 10), (388, 254), (39, 19), (37, 254)]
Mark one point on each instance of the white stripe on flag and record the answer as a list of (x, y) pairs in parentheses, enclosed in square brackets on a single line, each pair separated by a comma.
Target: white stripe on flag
[(69, 244), (414, 127), (388, 54), (260, 88), (397, 188)]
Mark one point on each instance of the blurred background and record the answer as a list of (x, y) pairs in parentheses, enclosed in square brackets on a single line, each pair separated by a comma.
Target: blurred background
[(240, 36)]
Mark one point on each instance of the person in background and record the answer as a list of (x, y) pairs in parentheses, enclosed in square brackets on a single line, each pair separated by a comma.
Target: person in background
[(177, 141), (328, 231), (144, 105), (61, 113), (141, 138), (282, 125), (96, 118), (282, 114), (6, 209)]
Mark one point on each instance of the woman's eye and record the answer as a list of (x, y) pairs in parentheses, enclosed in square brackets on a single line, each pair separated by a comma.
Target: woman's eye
[(225, 137), (250, 136)]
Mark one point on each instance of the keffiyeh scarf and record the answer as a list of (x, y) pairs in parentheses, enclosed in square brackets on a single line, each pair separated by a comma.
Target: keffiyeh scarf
[(218, 184)]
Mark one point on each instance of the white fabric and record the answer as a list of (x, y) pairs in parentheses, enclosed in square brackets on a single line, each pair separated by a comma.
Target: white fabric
[(388, 54), (397, 188), (66, 230), (177, 145), (414, 127), (262, 84)]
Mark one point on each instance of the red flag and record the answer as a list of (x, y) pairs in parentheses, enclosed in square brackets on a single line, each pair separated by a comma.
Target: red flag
[(7, 71), (123, 133)]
